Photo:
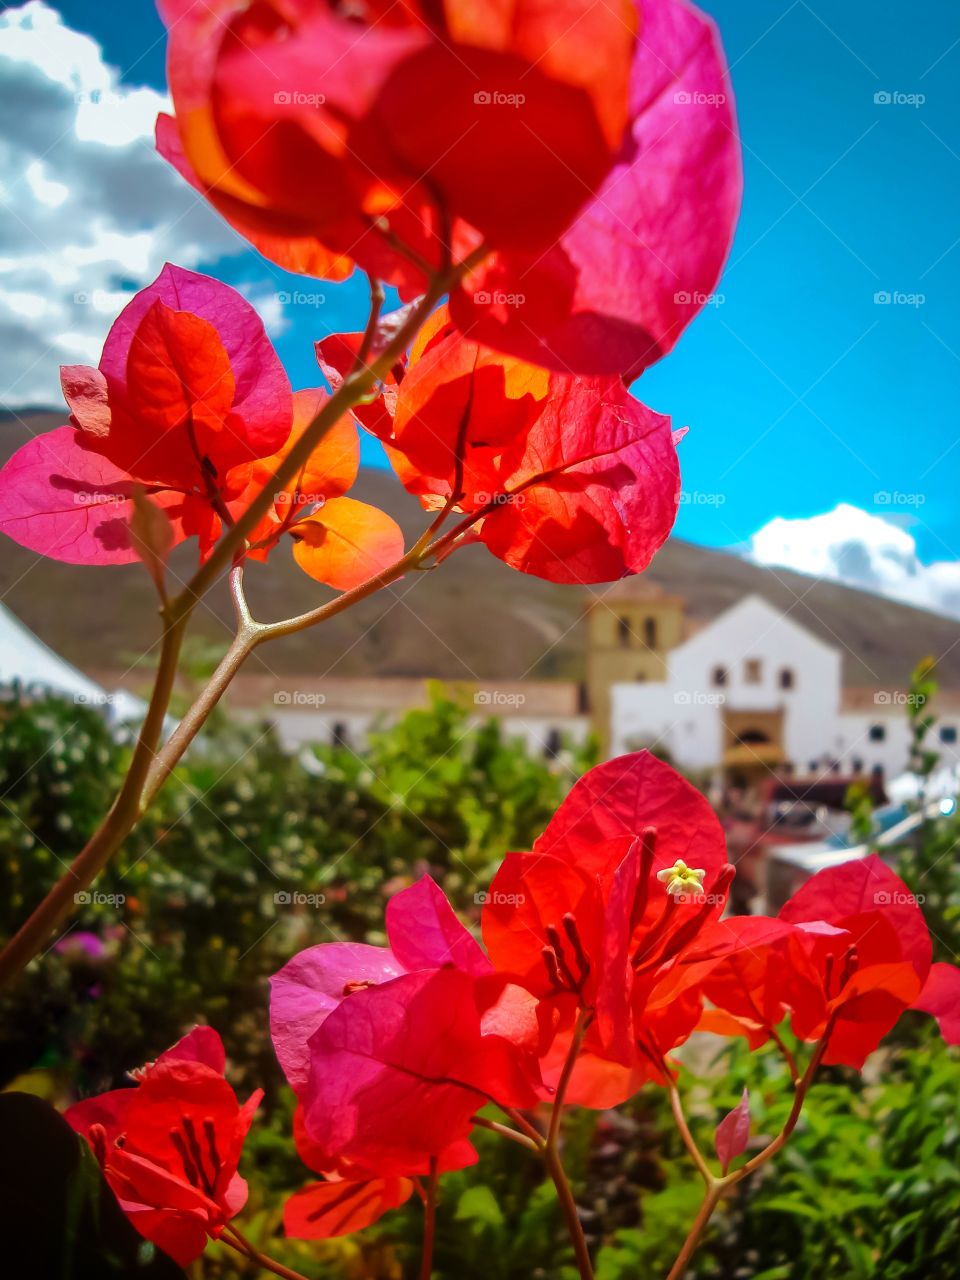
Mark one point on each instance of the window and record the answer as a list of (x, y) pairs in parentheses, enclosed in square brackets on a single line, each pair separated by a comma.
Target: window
[(786, 678), (719, 677), (856, 764), (624, 631), (878, 733), (650, 632), (553, 744), (339, 736), (948, 733), (753, 671)]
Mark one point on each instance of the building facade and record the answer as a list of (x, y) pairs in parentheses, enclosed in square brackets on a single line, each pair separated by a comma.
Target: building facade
[(752, 691)]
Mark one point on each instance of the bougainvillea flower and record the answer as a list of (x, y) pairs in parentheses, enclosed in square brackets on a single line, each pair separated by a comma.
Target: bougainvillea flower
[(317, 132), (567, 478), (616, 290), (586, 920), (337, 540), (847, 955), (188, 393), (398, 1070), (169, 1148), (472, 1035)]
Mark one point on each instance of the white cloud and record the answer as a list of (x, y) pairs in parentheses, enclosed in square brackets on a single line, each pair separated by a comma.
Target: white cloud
[(852, 546), (88, 211)]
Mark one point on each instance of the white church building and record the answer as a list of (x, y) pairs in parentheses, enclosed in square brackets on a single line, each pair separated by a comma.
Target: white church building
[(754, 691)]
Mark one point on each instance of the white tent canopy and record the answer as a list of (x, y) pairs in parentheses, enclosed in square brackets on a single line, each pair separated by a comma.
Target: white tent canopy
[(26, 659)]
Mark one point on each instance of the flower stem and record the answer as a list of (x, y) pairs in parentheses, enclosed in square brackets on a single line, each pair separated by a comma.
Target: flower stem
[(429, 1221), (148, 770), (717, 1187), (551, 1153), (242, 1245)]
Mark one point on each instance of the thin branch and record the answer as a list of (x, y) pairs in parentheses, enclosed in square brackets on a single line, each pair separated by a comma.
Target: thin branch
[(147, 774), (506, 1132), (717, 1187), (233, 1238)]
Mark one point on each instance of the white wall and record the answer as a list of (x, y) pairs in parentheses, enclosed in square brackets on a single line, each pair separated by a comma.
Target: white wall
[(686, 710)]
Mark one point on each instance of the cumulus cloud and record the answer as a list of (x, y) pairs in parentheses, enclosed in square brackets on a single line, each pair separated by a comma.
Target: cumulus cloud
[(88, 211), (852, 546)]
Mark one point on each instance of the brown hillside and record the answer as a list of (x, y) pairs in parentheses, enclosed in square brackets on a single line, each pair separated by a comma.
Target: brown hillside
[(473, 618)]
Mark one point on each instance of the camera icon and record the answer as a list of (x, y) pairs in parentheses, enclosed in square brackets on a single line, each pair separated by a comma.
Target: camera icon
[(683, 298), (281, 698), (481, 898), (282, 98), (883, 98), (682, 98), (882, 698), (82, 899), (81, 299), (682, 697), (282, 899), (482, 698), (881, 899), (482, 98), (482, 298), (882, 298)]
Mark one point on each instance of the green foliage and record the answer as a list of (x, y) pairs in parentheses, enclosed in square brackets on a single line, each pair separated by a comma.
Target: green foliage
[(245, 858), (867, 1187)]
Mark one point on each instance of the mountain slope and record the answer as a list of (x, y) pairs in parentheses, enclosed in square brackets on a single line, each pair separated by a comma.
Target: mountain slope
[(472, 618)]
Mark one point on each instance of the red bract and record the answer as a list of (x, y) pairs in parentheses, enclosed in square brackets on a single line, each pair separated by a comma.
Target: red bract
[(337, 540), (847, 955), (567, 478), (390, 1064), (188, 393), (326, 135), (617, 289), (170, 1147), (398, 1070), (599, 911)]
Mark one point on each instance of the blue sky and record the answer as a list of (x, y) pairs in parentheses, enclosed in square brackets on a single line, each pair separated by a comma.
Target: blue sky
[(802, 391)]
